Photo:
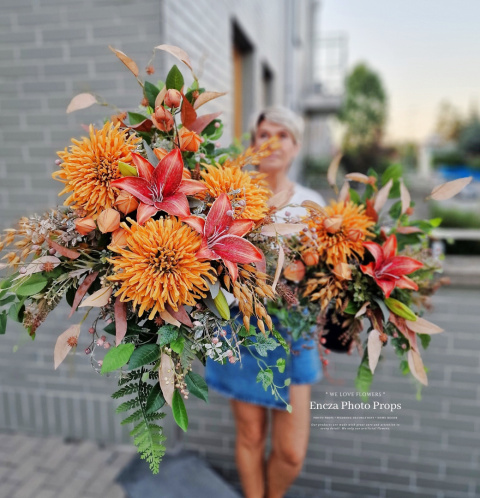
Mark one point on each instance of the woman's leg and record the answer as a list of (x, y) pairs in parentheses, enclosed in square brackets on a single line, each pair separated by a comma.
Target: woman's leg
[(251, 425), (290, 432)]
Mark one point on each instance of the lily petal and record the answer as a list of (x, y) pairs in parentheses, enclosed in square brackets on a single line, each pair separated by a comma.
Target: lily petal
[(195, 222), (145, 212), (190, 187), (368, 269), (240, 227), (376, 251), (232, 268), (401, 265), (176, 204), (390, 247), (205, 253), (135, 186), (406, 283), (386, 284), (217, 219), (168, 174), (236, 249), (144, 168)]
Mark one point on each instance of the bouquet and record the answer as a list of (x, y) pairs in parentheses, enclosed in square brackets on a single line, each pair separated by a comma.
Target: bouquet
[(159, 225), (363, 259)]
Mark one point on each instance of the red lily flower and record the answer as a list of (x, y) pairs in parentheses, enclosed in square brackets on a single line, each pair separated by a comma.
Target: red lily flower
[(222, 236), (161, 188), (389, 270)]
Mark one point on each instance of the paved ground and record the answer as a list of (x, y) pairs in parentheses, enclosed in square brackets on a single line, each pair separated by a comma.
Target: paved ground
[(37, 467)]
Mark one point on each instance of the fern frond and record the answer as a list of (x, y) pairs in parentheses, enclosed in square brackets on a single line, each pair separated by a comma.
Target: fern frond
[(135, 375), (125, 391), (128, 405), (149, 438), (134, 417)]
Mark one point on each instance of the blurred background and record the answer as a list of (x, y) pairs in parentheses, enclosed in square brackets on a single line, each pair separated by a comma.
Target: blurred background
[(386, 84)]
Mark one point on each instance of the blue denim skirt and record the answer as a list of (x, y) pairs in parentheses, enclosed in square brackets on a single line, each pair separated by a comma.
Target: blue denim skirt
[(239, 380)]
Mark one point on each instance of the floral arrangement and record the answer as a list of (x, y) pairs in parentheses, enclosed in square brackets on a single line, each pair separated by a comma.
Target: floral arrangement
[(159, 225), (363, 258)]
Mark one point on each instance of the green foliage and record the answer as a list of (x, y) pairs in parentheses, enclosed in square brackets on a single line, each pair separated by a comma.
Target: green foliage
[(147, 436), (117, 357), (179, 411), (150, 91), (364, 377), (3, 322), (167, 334), (197, 385), (178, 344), (281, 363), (265, 344), (280, 339), (425, 340), (144, 355), (135, 118), (33, 285), (174, 79), (265, 377)]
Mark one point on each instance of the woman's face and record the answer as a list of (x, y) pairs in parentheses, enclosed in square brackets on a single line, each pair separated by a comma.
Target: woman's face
[(281, 158)]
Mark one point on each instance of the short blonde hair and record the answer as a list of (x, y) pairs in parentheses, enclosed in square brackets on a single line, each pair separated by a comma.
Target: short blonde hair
[(282, 116)]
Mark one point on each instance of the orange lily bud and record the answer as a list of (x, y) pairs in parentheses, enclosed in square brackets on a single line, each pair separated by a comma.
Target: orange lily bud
[(125, 202), (163, 118), (119, 238), (173, 98), (189, 140), (333, 224), (108, 220), (85, 225), (342, 271), (310, 257), (160, 153), (295, 271)]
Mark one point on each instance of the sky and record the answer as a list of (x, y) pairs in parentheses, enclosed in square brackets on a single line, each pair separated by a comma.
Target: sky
[(426, 51)]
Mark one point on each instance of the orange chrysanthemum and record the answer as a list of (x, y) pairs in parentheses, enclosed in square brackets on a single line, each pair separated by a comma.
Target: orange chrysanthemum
[(159, 267), (247, 190), (339, 232), (91, 164)]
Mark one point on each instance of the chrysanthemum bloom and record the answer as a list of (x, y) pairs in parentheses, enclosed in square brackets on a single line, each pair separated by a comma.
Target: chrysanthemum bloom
[(159, 266), (91, 164), (338, 234), (247, 190)]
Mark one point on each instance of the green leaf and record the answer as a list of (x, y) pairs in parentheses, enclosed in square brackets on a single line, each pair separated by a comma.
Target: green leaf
[(178, 408), (265, 377), (396, 210), (155, 399), (178, 344), (287, 382), (150, 91), (355, 196), (281, 365), (289, 408), (33, 285), (393, 172), (364, 377), (144, 355), (167, 334), (264, 344), (197, 385), (3, 322), (174, 79), (243, 331), (16, 310), (425, 339), (7, 300), (135, 118), (281, 340), (351, 308), (127, 169), (117, 357), (5, 284)]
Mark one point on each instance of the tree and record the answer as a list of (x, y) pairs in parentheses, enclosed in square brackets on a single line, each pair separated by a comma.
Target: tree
[(363, 114), (449, 122)]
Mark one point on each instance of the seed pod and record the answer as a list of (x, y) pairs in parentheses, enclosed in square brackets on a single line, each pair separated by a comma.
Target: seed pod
[(226, 281), (268, 321), (249, 268), (260, 292), (246, 322), (244, 274), (261, 326)]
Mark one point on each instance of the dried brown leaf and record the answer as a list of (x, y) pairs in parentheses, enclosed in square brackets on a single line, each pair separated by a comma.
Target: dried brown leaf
[(131, 65), (449, 189), (382, 196), (81, 101), (422, 326), (62, 347), (205, 97), (98, 299), (344, 194), (333, 169), (64, 251), (404, 197), (278, 271), (374, 347), (120, 310), (280, 199), (415, 364), (166, 377), (275, 229), (82, 290), (177, 52)]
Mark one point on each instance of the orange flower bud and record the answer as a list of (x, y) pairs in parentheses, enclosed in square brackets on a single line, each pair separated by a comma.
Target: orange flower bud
[(125, 202), (85, 225), (119, 238), (310, 257), (144, 102), (173, 98), (160, 153), (195, 94), (342, 271), (333, 224), (149, 69), (108, 220), (162, 118), (189, 140), (295, 271)]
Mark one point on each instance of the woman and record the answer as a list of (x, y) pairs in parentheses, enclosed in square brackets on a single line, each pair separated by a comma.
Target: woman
[(248, 399)]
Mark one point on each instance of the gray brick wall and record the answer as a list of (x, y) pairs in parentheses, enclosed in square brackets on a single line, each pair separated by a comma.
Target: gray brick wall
[(49, 51)]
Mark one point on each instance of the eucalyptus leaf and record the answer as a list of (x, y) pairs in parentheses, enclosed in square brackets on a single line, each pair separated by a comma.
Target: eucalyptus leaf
[(117, 357), (155, 400), (33, 285), (197, 386), (144, 355)]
